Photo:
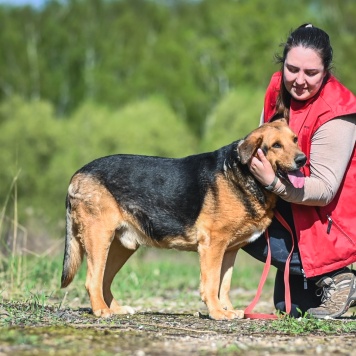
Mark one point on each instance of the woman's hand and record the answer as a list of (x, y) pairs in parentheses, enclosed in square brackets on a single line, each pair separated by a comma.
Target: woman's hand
[(261, 168)]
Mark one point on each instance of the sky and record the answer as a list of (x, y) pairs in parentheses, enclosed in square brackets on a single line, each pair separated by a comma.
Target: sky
[(35, 3)]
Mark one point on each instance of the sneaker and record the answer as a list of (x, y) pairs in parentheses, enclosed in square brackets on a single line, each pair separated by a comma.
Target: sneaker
[(337, 293)]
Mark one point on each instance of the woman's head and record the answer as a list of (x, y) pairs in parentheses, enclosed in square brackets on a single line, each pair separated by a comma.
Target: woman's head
[(306, 61), (308, 36)]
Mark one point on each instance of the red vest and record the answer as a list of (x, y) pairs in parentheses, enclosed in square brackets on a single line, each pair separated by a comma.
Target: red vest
[(326, 235)]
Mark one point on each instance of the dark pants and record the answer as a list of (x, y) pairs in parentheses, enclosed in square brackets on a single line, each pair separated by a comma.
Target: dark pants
[(303, 291)]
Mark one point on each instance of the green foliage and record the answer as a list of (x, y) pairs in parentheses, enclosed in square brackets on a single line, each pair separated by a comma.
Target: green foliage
[(190, 77), (28, 143), (47, 151), (236, 115), (338, 19), (191, 53)]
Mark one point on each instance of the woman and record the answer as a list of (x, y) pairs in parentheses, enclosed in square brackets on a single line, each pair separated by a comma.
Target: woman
[(322, 212)]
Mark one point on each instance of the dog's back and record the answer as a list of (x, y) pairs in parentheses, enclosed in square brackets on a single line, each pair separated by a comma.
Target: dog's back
[(165, 195)]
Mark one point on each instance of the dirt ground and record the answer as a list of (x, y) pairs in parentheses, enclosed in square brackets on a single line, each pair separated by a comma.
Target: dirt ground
[(164, 330)]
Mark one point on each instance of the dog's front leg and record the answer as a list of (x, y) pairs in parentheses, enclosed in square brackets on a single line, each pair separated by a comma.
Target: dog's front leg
[(225, 282), (211, 258)]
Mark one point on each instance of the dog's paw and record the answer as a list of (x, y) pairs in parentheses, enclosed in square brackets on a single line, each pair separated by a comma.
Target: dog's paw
[(239, 313), (226, 305), (220, 314), (103, 313), (118, 310), (124, 309)]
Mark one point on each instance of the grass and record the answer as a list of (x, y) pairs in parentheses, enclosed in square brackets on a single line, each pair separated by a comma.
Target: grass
[(305, 325), (149, 273)]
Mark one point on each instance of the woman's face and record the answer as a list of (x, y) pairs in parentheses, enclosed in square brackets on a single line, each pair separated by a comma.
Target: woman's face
[(303, 72)]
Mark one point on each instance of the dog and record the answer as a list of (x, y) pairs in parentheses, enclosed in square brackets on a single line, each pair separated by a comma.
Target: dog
[(208, 202)]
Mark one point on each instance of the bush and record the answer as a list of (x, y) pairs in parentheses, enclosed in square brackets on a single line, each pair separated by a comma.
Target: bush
[(47, 150), (29, 143), (235, 115)]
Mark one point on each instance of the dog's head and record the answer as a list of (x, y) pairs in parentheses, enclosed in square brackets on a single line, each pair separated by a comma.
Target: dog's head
[(280, 146)]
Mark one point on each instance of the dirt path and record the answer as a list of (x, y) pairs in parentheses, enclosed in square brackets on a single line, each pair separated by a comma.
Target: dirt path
[(44, 331)]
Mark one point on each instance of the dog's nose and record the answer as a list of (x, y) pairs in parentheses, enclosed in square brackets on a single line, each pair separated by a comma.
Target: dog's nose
[(300, 159)]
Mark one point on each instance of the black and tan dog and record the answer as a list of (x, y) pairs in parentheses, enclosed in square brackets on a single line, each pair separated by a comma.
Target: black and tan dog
[(209, 203)]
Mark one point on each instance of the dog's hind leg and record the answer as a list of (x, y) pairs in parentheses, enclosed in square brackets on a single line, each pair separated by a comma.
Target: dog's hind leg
[(225, 282), (118, 255), (97, 216), (97, 245)]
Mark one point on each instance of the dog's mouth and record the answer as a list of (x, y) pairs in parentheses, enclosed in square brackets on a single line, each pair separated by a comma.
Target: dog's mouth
[(295, 177)]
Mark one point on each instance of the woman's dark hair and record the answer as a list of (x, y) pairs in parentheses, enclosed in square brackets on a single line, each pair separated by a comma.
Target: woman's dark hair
[(306, 36)]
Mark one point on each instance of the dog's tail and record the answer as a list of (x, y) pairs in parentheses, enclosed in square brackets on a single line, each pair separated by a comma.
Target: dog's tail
[(73, 251)]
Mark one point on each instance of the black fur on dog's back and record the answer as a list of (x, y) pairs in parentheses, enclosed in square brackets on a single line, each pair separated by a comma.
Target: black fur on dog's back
[(166, 195)]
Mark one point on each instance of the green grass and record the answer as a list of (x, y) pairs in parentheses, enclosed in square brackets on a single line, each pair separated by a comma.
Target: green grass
[(149, 273), (307, 325)]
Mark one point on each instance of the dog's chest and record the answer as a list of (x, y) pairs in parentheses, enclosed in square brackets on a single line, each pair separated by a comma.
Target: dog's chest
[(238, 242)]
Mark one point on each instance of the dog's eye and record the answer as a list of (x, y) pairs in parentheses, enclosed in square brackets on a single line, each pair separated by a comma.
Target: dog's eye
[(295, 139), (277, 145)]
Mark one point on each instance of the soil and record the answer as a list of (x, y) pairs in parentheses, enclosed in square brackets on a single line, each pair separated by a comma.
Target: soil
[(164, 332)]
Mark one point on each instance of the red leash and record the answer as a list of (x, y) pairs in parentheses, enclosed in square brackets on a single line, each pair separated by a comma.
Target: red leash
[(248, 311)]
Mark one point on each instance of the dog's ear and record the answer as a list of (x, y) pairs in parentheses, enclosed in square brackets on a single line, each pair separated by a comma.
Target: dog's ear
[(248, 147)]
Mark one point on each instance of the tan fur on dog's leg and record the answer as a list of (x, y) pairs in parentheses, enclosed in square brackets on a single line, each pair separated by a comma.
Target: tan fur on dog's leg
[(225, 282), (97, 244), (118, 255), (211, 258), (225, 279)]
